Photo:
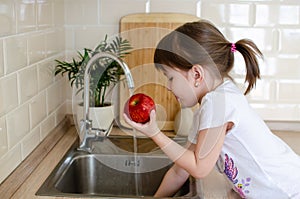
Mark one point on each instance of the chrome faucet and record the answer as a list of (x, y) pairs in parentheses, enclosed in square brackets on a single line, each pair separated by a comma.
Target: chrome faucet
[(90, 134)]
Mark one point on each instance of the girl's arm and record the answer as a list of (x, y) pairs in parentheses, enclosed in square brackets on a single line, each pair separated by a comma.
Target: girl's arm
[(198, 162), (173, 180)]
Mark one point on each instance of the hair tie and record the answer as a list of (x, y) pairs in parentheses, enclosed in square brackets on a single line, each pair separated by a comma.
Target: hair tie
[(233, 47)]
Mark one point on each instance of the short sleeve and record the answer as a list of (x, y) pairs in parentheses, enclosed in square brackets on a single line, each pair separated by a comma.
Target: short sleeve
[(216, 109)]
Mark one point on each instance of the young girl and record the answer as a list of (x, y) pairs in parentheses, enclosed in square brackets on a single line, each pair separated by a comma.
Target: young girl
[(196, 59)]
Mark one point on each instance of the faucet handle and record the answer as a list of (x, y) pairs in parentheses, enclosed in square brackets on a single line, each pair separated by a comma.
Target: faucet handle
[(103, 132), (85, 124)]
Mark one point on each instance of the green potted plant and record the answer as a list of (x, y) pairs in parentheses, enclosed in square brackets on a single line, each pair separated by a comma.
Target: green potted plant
[(99, 85)]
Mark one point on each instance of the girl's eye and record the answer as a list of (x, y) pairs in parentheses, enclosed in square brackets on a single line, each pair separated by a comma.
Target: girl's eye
[(171, 78)]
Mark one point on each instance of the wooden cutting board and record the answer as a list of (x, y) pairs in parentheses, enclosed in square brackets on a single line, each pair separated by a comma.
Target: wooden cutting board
[(144, 31)]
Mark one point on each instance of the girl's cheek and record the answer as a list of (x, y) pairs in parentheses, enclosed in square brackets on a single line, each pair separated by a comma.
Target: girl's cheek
[(169, 86)]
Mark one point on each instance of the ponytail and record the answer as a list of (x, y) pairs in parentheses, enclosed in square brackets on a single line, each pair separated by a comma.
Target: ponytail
[(250, 53)]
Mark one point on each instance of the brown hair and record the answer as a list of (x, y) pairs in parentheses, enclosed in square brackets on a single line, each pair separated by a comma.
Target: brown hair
[(202, 43)]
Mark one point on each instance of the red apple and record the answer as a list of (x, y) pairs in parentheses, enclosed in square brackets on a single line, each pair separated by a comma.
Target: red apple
[(138, 107)]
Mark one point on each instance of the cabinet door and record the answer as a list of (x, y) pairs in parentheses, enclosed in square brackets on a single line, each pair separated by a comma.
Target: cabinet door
[(144, 31)]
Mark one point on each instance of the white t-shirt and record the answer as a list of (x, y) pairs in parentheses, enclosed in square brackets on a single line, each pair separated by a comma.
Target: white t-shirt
[(254, 160)]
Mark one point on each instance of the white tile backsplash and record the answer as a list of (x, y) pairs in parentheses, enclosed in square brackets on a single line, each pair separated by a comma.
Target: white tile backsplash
[(44, 14), (89, 37), (239, 14), (10, 161), (186, 6), (45, 74), (289, 14), (58, 13), (265, 15), (30, 142), (80, 12), (289, 91), (214, 11), (111, 11), (1, 58), (36, 48), (47, 125), (15, 53), (55, 95), (26, 16), (288, 112), (8, 94), (18, 125), (29, 44), (28, 86), (54, 42), (8, 18), (3, 136), (263, 37), (38, 109), (289, 38), (281, 67)]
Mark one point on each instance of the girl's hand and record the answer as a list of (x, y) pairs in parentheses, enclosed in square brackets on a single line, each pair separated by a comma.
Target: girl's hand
[(149, 129)]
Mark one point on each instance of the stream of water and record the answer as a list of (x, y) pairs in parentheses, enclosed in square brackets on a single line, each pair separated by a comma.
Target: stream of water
[(136, 165), (135, 151)]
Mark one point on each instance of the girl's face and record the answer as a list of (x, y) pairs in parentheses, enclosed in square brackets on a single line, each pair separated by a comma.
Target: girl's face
[(182, 85)]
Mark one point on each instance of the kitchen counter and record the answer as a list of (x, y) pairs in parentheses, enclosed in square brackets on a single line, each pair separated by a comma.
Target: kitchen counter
[(214, 185)]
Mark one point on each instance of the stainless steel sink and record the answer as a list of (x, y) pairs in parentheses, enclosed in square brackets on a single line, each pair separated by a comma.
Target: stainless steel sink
[(112, 172)]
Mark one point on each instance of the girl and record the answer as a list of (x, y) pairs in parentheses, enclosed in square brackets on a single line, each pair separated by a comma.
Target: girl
[(196, 59)]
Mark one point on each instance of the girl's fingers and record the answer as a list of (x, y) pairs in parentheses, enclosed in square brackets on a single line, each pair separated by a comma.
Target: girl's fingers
[(130, 122), (152, 115)]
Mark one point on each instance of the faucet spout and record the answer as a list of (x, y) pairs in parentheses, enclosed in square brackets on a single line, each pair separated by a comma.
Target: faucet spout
[(86, 125)]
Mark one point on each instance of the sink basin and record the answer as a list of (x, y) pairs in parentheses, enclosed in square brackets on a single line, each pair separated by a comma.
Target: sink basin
[(115, 172)]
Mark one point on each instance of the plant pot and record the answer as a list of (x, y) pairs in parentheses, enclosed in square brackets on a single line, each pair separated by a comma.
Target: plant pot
[(101, 117)]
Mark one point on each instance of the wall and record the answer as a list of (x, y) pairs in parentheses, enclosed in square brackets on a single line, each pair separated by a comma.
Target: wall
[(32, 36), (31, 99), (273, 25)]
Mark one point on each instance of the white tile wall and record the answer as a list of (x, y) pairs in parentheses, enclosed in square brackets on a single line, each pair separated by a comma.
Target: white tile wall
[(8, 18), (1, 58), (30, 142), (112, 10), (186, 6), (28, 86), (3, 136), (35, 33), (274, 27), (36, 48), (47, 125), (10, 161), (8, 93), (18, 125), (15, 47), (29, 44), (45, 74), (44, 14), (26, 16), (38, 109), (54, 98)]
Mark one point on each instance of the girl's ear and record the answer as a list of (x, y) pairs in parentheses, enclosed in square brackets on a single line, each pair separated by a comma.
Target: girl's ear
[(197, 72)]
